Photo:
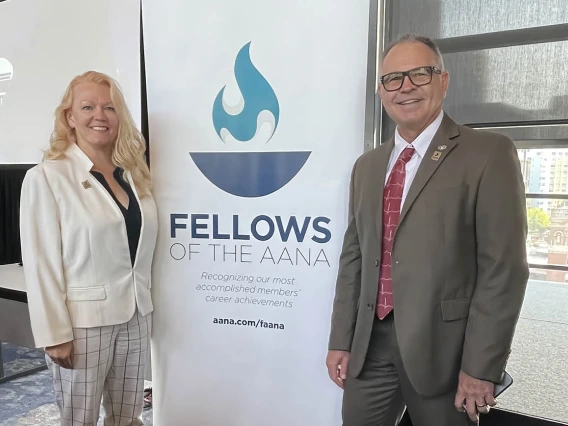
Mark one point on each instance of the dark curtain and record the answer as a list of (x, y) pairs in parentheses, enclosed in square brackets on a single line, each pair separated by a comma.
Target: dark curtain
[(11, 178)]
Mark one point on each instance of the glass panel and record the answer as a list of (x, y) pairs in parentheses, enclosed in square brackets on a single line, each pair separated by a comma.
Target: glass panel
[(518, 83), (547, 243), (453, 18), (538, 359), (545, 171)]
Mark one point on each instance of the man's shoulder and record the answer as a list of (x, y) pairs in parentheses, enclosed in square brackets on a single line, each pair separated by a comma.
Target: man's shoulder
[(371, 156)]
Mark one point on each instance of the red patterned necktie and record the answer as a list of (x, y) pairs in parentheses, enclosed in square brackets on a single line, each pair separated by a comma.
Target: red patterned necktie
[(392, 198)]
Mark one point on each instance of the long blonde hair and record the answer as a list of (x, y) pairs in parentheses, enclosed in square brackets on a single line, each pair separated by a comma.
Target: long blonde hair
[(129, 147)]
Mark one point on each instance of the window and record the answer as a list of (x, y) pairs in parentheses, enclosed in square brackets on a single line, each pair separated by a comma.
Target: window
[(515, 86), (538, 356)]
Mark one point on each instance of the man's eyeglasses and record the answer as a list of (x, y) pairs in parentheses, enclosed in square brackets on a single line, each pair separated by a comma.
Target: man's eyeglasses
[(420, 76)]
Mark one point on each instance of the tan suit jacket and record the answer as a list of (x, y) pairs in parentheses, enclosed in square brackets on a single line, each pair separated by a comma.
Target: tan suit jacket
[(459, 259)]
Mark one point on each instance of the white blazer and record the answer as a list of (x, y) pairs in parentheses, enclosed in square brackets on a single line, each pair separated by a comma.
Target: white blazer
[(75, 251)]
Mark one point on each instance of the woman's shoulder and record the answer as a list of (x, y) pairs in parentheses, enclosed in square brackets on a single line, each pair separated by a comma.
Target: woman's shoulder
[(49, 169)]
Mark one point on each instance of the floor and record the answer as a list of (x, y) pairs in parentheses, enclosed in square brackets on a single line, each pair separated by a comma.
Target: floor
[(29, 401)]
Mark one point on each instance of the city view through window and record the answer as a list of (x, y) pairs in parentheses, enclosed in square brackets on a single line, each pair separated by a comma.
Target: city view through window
[(537, 361), (545, 174)]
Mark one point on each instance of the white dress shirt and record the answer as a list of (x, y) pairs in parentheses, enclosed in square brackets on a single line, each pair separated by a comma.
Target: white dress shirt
[(420, 145)]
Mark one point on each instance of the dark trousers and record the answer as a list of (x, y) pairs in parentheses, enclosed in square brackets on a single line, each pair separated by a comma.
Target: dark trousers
[(382, 392)]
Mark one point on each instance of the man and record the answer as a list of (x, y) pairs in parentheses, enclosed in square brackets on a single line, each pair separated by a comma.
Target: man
[(433, 268)]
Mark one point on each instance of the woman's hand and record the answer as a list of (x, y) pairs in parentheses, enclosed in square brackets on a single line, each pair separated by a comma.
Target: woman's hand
[(61, 354)]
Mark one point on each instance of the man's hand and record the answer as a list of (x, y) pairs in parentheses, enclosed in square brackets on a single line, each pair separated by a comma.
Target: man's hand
[(474, 396), (337, 362), (61, 354)]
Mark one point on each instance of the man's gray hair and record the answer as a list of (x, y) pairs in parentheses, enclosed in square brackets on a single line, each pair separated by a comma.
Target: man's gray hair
[(413, 38)]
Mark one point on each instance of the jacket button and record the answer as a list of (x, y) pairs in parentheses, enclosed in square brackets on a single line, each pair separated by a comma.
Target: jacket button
[(370, 306), (376, 263)]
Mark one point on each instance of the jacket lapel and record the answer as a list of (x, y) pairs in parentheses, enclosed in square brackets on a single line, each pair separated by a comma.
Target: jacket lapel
[(86, 179), (438, 150), (381, 170), (140, 205)]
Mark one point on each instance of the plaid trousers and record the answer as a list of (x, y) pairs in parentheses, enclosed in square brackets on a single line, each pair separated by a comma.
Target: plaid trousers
[(108, 364)]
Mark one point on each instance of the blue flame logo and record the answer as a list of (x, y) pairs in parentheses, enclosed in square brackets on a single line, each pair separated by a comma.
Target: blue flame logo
[(248, 174), (258, 104)]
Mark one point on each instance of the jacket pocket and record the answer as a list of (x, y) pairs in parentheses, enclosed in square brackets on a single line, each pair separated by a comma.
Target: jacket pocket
[(455, 309), (86, 293)]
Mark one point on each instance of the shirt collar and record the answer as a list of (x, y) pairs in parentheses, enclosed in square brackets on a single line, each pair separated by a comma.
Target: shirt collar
[(422, 142)]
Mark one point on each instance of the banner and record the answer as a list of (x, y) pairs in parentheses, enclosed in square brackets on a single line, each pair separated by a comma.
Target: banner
[(256, 116), (43, 45)]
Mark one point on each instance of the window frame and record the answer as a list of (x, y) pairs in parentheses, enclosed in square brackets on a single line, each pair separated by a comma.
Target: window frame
[(542, 133)]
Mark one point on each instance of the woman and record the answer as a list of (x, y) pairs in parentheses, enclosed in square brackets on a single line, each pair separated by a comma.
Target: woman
[(88, 232)]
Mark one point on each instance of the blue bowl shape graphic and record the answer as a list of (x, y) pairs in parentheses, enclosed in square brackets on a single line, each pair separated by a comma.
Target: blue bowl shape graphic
[(250, 174)]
